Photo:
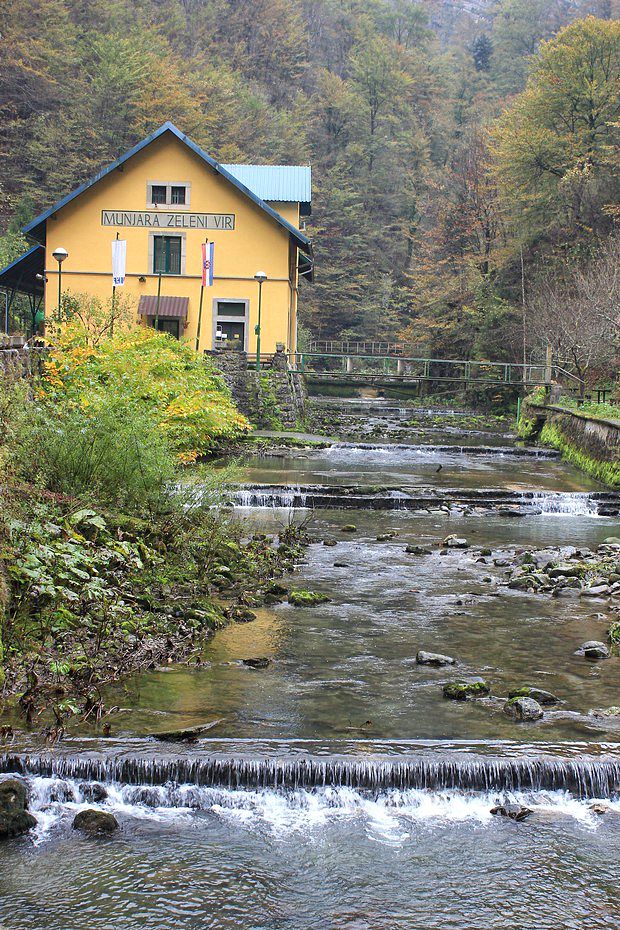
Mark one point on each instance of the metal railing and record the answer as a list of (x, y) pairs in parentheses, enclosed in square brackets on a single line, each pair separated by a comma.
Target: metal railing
[(412, 368)]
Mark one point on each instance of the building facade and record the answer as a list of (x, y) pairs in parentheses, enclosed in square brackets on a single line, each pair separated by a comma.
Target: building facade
[(165, 198)]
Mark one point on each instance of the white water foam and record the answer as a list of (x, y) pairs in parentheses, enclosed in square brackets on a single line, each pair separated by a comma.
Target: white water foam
[(389, 815)]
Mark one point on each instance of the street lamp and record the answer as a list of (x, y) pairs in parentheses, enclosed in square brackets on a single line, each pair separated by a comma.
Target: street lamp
[(60, 255), (261, 277)]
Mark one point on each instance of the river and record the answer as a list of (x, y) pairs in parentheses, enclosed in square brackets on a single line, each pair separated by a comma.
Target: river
[(338, 788)]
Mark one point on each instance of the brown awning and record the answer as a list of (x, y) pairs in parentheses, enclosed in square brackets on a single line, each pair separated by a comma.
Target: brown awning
[(168, 307)]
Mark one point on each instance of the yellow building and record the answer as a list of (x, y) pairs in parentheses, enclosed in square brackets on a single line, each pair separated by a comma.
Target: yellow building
[(165, 197)]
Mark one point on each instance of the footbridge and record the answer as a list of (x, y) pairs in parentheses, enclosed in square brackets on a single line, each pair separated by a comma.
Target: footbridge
[(368, 363)]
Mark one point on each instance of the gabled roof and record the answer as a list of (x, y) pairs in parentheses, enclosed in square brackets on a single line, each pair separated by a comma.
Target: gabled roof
[(36, 228), (283, 183)]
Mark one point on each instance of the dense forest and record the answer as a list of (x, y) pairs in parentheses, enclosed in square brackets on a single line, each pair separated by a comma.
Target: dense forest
[(464, 154)]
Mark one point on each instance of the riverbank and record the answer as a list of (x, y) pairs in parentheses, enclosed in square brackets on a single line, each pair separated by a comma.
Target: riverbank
[(589, 441), (90, 596)]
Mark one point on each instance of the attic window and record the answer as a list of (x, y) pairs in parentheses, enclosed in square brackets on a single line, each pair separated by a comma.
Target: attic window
[(167, 194)]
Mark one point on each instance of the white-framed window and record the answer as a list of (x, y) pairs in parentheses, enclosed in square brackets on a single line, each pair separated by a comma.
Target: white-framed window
[(168, 194)]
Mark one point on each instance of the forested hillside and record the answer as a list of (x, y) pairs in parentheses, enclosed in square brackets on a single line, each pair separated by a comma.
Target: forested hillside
[(448, 187)]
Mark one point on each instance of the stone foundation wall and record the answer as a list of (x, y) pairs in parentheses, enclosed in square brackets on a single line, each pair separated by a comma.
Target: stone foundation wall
[(274, 398)]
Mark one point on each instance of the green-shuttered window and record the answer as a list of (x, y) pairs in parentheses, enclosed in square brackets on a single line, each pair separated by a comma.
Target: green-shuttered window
[(167, 255)]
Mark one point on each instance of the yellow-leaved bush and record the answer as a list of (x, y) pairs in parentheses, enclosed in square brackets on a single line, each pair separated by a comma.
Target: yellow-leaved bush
[(154, 373)]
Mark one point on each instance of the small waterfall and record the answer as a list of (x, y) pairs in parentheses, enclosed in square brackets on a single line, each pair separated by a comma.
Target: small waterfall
[(565, 502), (358, 497), (402, 450), (271, 497), (581, 777)]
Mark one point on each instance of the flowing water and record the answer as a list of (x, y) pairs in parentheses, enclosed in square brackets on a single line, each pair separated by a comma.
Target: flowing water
[(337, 788)]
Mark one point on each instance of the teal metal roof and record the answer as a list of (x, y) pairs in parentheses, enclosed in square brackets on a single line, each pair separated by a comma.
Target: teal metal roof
[(281, 183), (36, 229)]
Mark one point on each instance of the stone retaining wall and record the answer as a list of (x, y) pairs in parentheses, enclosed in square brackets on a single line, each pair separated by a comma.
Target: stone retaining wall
[(21, 360), (275, 397), (590, 442)]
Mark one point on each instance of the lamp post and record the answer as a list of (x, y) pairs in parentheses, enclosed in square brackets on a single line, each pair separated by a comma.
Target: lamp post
[(261, 277), (60, 255)]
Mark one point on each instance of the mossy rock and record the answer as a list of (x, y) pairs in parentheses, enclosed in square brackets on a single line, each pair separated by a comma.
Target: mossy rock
[(523, 708), (307, 598), (95, 823), (14, 816), (349, 528), (240, 614), (463, 690), (537, 694)]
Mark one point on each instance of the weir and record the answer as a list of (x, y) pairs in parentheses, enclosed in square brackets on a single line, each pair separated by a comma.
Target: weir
[(585, 777), (355, 497)]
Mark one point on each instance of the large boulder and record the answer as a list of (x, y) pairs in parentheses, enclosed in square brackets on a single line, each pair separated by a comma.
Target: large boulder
[(433, 658), (523, 708), (14, 816), (593, 650), (463, 690), (95, 823)]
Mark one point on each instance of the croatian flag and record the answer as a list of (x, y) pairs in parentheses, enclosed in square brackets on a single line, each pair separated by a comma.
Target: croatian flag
[(119, 255), (207, 264)]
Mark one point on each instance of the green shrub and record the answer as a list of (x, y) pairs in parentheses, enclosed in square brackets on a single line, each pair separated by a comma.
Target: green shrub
[(112, 453), (155, 374)]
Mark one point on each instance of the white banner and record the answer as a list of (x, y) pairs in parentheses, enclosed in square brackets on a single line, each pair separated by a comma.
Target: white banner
[(119, 256)]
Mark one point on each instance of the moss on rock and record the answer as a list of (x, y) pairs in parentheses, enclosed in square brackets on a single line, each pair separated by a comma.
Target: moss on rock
[(307, 598)]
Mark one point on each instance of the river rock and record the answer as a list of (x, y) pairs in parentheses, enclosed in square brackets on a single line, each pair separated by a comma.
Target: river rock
[(348, 528), (260, 662), (93, 792), (455, 542), (612, 541), (512, 811), (240, 614), (330, 542), (95, 823), (418, 550), (598, 808), (462, 690), (186, 734), (307, 598), (14, 816), (523, 708), (593, 650), (606, 712), (596, 590), (564, 571), (537, 694), (341, 564), (433, 658)]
